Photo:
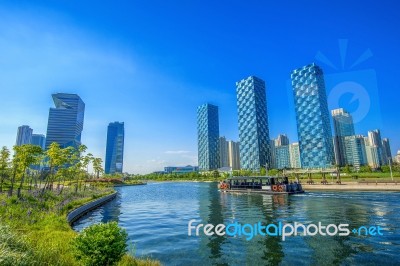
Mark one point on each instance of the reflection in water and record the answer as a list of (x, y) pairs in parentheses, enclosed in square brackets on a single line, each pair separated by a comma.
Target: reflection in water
[(156, 218)]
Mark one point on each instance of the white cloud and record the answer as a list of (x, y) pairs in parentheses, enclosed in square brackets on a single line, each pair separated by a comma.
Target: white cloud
[(177, 152)]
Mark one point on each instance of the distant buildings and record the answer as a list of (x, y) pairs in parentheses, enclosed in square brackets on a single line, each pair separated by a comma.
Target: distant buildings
[(253, 123), (180, 169), (313, 125), (115, 148), (39, 140), (233, 155), (65, 122), (397, 157), (343, 127), (24, 135), (208, 137), (294, 151), (375, 142), (223, 152), (387, 153), (281, 140), (355, 151)]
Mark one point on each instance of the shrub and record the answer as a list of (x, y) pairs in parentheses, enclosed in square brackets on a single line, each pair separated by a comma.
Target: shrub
[(100, 244)]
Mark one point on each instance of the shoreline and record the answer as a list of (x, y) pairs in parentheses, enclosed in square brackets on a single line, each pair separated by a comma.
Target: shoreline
[(354, 186)]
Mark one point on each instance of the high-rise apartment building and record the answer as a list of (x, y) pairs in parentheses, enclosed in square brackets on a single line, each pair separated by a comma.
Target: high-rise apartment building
[(115, 148), (223, 152), (294, 155), (208, 137), (313, 125), (253, 123), (234, 158), (375, 141), (24, 135), (282, 154), (281, 140), (355, 151), (39, 140), (343, 127), (65, 122), (387, 153)]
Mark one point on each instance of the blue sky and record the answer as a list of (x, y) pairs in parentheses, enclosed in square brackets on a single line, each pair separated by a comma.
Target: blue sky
[(151, 63)]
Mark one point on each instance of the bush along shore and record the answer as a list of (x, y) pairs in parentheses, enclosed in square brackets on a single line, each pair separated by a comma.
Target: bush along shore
[(34, 204)]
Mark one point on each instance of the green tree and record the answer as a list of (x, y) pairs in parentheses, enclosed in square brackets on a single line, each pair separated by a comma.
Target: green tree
[(4, 164), (27, 155), (97, 166), (100, 244)]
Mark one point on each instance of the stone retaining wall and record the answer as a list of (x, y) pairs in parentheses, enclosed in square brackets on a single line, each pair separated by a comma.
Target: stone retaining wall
[(79, 212)]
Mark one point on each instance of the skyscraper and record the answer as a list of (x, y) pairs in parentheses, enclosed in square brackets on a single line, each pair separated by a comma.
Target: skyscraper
[(253, 123), (24, 135), (387, 153), (115, 148), (208, 137), (39, 140), (234, 158), (282, 154), (65, 122), (313, 126), (223, 152), (294, 155), (355, 151), (375, 141), (343, 126), (281, 140)]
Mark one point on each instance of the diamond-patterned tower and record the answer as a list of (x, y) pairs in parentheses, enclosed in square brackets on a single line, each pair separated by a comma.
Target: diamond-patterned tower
[(253, 123), (313, 125), (208, 137)]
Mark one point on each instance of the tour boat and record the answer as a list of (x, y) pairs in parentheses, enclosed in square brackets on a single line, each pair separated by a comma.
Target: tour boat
[(260, 184)]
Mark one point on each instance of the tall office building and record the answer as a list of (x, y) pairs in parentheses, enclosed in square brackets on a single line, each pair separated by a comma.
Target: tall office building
[(208, 137), (223, 152), (387, 153), (397, 157), (375, 141), (343, 126), (355, 151), (39, 140), (294, 155), (24, 135), (281, 140), (272, 154), (282, 154), (115, 148), (313, 126), (65, 122), (234, 158), (253, 123)]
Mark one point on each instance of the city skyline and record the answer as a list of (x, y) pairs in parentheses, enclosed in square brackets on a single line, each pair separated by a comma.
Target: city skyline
[(153, 77)]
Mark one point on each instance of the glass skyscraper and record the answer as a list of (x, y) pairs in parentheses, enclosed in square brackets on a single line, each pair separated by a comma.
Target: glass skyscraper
[(65, 122), (115, 148), (313, 126), (208, 137), (253, 123), (344, 127), (39, 140), (24, 135)]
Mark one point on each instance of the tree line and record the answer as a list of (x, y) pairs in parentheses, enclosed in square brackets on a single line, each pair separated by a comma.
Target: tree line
[(31, 167)]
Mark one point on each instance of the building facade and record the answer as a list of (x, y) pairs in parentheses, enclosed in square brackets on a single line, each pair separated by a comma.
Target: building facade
[(387, 152), (180, 169), (114, 161), (253, 123), (223, 152), (282, 154), (343, 127), (294, 155), (281, 140), (375, 141), (312, 116), (65, 122), (24, 135), (208, 137), (39, 140), (234, 157), (355, 151)]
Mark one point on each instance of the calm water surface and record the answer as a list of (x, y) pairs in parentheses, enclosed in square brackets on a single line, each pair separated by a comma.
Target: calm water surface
[(156, 217)]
